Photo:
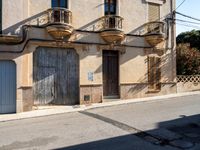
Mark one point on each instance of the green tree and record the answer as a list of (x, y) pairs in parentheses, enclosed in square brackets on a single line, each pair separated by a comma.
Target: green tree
[(188, 60), (191, 37)]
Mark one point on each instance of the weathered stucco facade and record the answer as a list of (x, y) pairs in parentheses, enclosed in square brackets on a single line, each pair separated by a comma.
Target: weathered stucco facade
[(134, 48)]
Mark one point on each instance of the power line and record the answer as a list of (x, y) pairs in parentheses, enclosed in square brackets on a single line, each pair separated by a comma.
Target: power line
[(187, 16), (187, 25), (180, 4), (187, 21), (174, 9)]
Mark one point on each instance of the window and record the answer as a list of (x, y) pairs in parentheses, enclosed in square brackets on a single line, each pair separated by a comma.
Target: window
[(154, 73), (110, 7), (59, 3), (154, 12)]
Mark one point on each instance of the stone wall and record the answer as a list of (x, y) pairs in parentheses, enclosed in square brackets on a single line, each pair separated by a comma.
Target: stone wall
[(138, 90), (91, 94)]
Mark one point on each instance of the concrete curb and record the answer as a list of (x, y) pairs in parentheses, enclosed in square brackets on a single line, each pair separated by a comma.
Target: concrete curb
[(67, 109)]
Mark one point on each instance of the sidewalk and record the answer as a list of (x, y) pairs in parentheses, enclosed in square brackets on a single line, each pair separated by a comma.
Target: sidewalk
[(53, 110)]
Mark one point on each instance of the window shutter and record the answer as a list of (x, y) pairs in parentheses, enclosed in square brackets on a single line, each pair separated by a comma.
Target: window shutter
[(158, 73), (151, 72), (154, 12), (154, 73)]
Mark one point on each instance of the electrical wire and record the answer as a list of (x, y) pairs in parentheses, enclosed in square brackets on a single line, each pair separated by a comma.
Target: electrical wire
[(187, 21), (191, 26), (180, 5), (173, 10), (187, 16)]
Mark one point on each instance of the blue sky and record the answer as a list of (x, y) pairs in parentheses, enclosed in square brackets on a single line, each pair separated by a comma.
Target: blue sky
[(190, 8)]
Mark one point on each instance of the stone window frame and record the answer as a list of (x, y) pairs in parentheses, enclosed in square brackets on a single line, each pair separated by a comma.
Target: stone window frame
[(159, 2)]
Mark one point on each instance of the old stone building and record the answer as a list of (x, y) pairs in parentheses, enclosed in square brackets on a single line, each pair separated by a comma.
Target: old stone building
[(71, 52)]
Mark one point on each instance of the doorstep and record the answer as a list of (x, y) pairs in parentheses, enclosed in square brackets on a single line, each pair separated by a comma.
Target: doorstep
[(110, 100), (53, 110)]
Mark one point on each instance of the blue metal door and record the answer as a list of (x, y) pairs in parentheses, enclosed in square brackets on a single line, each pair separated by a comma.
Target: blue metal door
[(7, 87)]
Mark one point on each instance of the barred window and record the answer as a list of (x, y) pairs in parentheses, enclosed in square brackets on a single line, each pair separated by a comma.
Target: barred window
[(154, 73), (59, 3)]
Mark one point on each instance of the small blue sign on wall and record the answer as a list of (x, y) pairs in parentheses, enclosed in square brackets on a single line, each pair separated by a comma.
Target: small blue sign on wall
[(90, 76)]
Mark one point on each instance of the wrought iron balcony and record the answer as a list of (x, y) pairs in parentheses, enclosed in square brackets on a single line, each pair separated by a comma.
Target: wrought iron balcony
[(155, 28), (60, 16), (154, 32), (112, 22), (59, 22), (112, 28)]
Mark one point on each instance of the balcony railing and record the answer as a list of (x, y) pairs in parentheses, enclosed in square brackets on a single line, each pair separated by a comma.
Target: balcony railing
[(112, 22), (154, 28), (155, 33), (59, 16)]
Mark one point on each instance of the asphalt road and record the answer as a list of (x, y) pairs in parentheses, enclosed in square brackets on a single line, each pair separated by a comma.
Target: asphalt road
[(171, 124)]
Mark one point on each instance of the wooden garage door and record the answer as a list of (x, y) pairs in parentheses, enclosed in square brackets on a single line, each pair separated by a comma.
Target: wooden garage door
[(56, 76), (7, 87)]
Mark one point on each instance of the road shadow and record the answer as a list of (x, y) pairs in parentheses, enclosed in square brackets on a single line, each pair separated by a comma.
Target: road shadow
[(182, 133)]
